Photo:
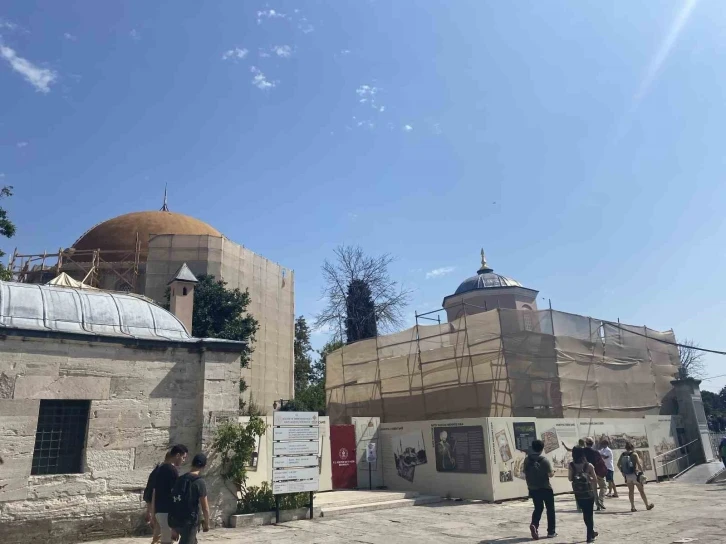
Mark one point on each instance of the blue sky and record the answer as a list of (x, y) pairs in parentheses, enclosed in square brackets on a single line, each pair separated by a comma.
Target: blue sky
[(581, 144)]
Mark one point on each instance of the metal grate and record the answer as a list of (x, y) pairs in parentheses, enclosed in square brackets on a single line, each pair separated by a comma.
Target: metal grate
[(61, 437)]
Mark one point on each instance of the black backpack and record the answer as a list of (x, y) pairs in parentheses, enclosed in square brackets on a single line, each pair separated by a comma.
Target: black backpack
[(184, 506), (581, 484)]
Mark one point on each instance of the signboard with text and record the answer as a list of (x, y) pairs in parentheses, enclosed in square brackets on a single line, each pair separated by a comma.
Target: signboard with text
[(295, 450)]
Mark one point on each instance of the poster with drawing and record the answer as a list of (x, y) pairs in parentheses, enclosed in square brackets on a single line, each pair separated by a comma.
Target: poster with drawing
[(409, 451), (550, 439), (460, 449), (559, 437), (505, 452)]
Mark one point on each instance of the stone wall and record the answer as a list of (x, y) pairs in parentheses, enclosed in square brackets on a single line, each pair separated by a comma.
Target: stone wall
[(143, 399)]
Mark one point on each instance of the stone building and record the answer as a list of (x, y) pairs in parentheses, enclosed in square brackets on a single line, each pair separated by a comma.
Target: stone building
[(140, 252), (94, 387)]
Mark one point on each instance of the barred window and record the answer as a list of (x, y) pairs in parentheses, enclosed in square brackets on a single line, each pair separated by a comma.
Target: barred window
[(60, 437)]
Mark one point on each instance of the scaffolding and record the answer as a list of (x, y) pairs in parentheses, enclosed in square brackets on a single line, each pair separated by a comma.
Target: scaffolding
[(85, 265), (501, 363)]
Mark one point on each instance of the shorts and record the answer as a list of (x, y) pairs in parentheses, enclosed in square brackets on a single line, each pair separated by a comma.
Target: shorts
[(610, 477), (163, 521), (631, 478), (188, 534)]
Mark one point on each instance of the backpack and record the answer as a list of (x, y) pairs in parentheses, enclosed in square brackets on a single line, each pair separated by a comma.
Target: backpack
[(184, 507), (535, 472), (581, 484), (626, 464), (601, 468)]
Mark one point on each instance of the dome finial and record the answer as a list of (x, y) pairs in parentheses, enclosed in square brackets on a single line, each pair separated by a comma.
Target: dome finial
[(165, 207), (484, 266)]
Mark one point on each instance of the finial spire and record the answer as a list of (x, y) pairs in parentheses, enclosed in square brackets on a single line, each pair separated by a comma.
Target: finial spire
[(484, 266), (165, 207)]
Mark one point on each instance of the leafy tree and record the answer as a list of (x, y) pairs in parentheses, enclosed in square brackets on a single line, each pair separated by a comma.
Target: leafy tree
[(713, 404), (302, 349), (361, 296), (360, 319), (7, 229), (236, 443), (222, 313), (312, 398), (691, 358)]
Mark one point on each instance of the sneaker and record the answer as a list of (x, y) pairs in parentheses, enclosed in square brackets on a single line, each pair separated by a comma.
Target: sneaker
[(616, 496), (533, 530), (593, 537), (650, 506), (551, 535)]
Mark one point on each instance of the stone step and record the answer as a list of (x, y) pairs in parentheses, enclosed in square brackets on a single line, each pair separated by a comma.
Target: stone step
[(333, 511), (349, 498)]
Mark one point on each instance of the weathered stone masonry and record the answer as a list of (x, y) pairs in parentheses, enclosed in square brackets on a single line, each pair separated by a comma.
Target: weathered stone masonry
[(145, 396)]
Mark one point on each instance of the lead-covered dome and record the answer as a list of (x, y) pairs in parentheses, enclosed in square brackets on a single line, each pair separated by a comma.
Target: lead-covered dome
[(485, 278)]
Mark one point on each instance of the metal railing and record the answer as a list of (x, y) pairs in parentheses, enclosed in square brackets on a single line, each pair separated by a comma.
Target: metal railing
[(687, 457)]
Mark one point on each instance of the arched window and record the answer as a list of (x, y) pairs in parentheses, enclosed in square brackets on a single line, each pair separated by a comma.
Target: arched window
[(184, 292)]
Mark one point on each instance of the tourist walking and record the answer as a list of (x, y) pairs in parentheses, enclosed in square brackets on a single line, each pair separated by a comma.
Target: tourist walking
[(582, 475), (164, 480), (189, 493), (601, 471), (722, 451), (537, 472), (148, 499), (607, 456), (632, 469)]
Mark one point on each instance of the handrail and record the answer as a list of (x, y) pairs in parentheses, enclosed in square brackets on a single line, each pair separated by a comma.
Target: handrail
[(674, 449)]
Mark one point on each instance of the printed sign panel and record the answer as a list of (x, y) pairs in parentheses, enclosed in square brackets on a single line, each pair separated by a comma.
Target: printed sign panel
[(291, 419), (295, 448), (524, 434), (460, 449), (280, 488), (371, 454), (283, 474), (295, 433), (295, 461)]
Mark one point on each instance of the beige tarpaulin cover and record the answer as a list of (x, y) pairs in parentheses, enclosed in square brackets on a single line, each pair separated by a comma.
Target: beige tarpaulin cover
[(504, 363), (64, 280)]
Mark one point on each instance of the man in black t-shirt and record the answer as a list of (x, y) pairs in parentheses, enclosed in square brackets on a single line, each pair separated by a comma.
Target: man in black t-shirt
[(148, 499), (164, 480), (198, 488)]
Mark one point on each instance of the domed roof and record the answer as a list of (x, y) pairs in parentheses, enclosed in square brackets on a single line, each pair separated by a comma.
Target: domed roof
[(92, 312), (485, 278), (119, 233)]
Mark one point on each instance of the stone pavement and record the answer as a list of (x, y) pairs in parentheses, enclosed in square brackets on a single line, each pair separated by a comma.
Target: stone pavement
[(682, 512)]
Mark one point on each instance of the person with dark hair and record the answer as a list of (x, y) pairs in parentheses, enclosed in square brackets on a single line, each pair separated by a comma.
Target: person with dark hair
[(148, 497), (607, 456), (632, 469), (582, 475), (601, 471), (538, 471), (189, 493), (166, 477)]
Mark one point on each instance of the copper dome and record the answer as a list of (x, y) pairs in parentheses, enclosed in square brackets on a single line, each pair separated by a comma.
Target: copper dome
[(119, 233)]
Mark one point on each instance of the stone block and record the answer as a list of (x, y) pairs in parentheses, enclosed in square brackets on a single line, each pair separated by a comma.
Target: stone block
[(18, 426), (7, 385), (22, 532), (122, 413), (12, 407), (64, 485), (105, 368), (64, 387), (149, 455), (13, 489), (174, 418), (49, 367), (174, 404), (126, 480), (16, 467), (101, 436), (71, 506), (131, 388), (14, 447), (102, 461)]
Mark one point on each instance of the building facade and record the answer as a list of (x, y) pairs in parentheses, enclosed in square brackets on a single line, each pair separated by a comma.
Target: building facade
[(94, 388), (140, 252)]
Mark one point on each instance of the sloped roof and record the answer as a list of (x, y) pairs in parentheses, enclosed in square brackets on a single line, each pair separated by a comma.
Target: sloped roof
[(184, 274)]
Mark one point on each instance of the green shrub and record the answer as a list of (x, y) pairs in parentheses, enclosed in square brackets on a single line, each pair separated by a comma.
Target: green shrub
[(260, 499)]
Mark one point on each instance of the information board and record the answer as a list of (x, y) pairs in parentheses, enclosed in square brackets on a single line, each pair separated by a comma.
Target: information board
[(280, 488), (460, 449), (295, 450), (292, 419), (371, 454), (524, 434), (310, 447), (295, 433), (295, 461)]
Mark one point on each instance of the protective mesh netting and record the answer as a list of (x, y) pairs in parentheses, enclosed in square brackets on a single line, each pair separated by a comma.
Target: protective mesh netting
[(504, 363)]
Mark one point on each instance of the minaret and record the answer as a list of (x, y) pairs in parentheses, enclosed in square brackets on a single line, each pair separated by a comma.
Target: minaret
[(181, 295), (165, 207)]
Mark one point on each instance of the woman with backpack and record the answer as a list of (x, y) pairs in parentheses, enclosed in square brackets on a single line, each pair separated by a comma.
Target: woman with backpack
[(632, 468), (583, 478)]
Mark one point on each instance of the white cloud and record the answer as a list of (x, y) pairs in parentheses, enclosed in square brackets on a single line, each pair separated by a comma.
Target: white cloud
[(21, 144), (69, 36), (382, 109), (235, 53), (305, 26), (269, 14), (284, 51), (40, 78), (407, 128), (366, 91), (345, 51), (439, 272), (2, 175), (260, 80), (7, 25), (135, 35)]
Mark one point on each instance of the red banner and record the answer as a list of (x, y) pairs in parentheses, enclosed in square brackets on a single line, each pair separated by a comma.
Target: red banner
[(343, 453)]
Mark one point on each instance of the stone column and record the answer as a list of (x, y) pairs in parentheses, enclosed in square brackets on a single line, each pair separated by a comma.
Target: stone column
[(693, 418)]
